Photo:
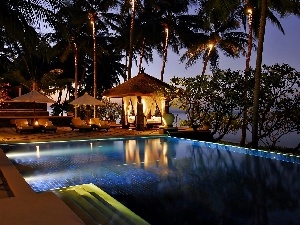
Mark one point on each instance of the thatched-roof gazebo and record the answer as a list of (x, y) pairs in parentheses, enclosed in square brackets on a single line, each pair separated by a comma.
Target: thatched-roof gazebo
[(142, 94), (140, 85)]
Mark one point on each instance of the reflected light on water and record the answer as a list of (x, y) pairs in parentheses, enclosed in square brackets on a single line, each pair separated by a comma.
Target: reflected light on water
[(176, 176), (38, 151)]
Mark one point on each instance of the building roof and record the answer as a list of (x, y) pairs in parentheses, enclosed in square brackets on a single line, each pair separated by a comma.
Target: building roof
[(140, 85)]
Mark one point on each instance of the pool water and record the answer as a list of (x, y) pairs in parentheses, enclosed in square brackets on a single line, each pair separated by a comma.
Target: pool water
[(172, 181)]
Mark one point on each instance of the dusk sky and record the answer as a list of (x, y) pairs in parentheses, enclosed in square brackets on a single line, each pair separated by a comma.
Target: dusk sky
[(278, 48)]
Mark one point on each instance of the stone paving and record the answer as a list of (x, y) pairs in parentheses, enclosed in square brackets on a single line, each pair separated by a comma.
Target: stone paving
[(9, 135), (4, 188)]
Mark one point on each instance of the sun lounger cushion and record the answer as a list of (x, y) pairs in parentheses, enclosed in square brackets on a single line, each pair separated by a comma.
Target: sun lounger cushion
[(22, 125), (47, 125), (78, 123), (100, 124)]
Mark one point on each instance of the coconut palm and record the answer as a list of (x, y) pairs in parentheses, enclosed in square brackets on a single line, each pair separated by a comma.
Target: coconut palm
[(172, 14), (127, 18), (18, 23), (242, 9), (161, 24), (77, 26), (212, 36), (284, 8), (131, 37)]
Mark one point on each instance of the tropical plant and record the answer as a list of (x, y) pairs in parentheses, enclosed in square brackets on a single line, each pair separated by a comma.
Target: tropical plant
[(172, 15), (284, 7), (18, 25), (4, 89), (214, 99), (77, 32), (250, 12), (218, 99), (212, 36), (278, 103), (110, 111)]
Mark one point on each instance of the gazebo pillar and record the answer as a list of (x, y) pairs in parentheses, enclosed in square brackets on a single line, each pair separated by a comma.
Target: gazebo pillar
[(139, 114), (167, 106), (123, 115)]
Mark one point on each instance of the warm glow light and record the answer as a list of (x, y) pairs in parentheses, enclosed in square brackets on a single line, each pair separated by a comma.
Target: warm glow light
[(36, 123), (249, 13), (133, 5), (38, 151), (210, 47), (164, 122), (92, 17)]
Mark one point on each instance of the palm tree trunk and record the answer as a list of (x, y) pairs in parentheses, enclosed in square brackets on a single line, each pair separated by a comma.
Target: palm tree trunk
[(257, 76), (76, 75), (248, 57), (205, 64), (141, 55), (165, 53), (126, 63), (210, 47), (131, 39)]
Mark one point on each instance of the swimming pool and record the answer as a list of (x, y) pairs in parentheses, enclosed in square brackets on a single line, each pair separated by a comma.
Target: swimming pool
[(172, 181)]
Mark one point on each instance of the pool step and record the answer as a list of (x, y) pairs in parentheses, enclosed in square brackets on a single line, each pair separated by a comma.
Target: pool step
[(95, 206)]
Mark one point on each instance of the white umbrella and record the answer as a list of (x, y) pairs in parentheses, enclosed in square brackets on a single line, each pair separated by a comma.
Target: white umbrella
[(86, 99), (34, 97)]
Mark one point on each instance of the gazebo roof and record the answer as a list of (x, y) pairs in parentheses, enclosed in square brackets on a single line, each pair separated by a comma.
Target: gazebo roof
[(140, 85)]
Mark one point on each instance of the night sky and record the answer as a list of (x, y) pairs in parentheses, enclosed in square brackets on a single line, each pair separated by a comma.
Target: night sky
[(278, 48)]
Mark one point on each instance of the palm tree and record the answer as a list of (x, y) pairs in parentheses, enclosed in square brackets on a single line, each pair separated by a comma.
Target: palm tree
[(153, 20), (17, 20), (126, 30), (253, 11), (131, 37), (283, 8), (172, 14), (249, 12), (220, 35), (165, 52)]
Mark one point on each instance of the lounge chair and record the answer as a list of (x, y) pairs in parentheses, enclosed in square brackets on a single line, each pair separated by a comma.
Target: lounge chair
[(79, 124), (47, 125), (98, 124), (22, 125)]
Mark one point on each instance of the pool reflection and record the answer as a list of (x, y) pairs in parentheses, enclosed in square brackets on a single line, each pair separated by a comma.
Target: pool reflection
[(173, 181)]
